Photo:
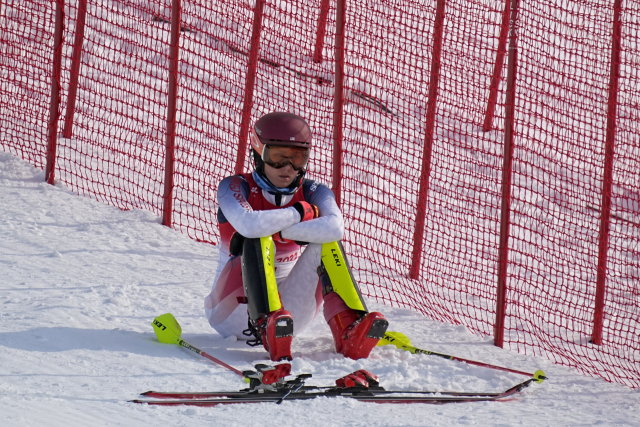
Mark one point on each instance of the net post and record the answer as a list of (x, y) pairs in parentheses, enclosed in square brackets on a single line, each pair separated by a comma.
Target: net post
[(497, 70), (249, 84), (505, 214), (54, 113), (321, 31), (338, 100), (434, 80), (607, 181), (75, 68), (174, 70)]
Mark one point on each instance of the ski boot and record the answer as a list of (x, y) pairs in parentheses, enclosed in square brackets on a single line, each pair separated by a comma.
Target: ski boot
[(355, 334), (275, 332)]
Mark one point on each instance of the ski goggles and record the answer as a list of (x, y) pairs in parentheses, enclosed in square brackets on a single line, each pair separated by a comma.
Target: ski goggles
[(278, 156)]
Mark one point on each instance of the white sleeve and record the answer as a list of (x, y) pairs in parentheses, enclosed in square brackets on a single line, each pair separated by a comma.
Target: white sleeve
[(232, 198), (329, 227)]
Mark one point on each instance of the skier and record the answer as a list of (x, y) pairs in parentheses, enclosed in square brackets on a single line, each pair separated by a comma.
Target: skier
[(280, 251)]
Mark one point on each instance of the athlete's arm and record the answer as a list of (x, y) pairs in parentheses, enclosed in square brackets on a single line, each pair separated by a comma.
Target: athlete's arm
[(329, 227), (232, 198)]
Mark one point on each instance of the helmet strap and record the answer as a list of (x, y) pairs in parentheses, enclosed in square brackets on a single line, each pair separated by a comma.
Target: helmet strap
[(264, 183), (258, 163)]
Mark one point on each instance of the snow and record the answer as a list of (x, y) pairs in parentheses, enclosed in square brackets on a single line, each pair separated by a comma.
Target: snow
[(81, 282)]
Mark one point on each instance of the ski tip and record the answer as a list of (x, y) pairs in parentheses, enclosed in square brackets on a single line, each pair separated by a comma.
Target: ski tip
[(539, 376), (146, 392)]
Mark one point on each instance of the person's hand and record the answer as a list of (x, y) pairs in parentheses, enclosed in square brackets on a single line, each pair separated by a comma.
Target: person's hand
[(307, 211), (277, 237)]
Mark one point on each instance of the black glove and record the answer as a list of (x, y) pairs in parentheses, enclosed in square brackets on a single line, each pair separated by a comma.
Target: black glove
[(235, 244)]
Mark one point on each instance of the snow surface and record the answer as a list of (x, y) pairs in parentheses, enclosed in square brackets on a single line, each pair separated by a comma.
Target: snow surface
[(80, 283)]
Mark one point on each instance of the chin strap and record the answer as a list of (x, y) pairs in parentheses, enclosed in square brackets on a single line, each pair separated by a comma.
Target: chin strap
[(264, 183)]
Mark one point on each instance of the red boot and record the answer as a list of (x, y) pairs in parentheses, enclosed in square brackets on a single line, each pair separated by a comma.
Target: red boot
[(356, 335), (278, 334)]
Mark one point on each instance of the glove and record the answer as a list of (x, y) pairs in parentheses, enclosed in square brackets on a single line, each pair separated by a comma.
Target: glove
[(307, 211), (236, 243), (277, 237)]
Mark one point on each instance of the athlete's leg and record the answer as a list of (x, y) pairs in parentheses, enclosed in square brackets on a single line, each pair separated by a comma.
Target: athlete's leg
[(355, 330), (223, 309), (269, 322), (299, 290)]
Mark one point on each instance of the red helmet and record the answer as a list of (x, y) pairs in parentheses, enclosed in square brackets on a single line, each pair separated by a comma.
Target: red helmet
[(280, 128)]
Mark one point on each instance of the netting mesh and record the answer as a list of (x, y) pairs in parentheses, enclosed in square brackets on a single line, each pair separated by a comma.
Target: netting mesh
[(113, 133), (559, 154), (115, 151), (213, 62), (26, 45)]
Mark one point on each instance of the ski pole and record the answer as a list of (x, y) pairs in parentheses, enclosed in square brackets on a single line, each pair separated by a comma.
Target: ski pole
[(168, 331), (401, 341)]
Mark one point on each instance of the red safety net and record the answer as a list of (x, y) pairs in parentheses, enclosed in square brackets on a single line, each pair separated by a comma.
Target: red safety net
[(111, 140), (26, 54), (419, 129), (562, 108)]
